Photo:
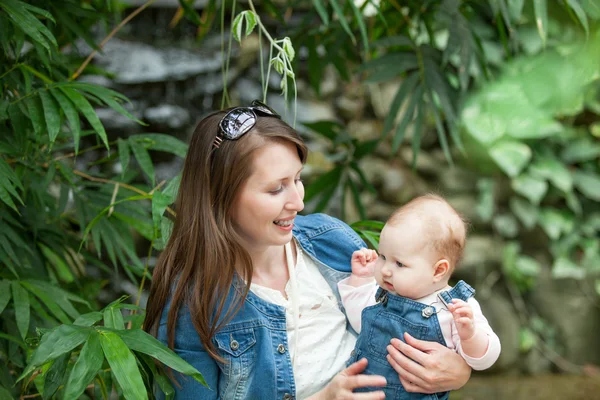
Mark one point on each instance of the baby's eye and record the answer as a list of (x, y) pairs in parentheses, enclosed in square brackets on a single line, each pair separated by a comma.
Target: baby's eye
[(399, 264), (381, 256)]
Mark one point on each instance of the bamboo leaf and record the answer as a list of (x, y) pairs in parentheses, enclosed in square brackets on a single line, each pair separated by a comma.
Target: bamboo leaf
[(322, 183), (87, 110), (405, 88), (142, 157), (22, 308), (88, 319), (356, 197), (124, 156), (142, 342), (576, 7), (361, 25), (55, 376), (123, 365), (54, 344), (28, 23), (4, 294), (416, 97), (48, 302), (86, 367), (71, 114), (36, 113), (540, 8), (163, 383), (439, 128), (113, 318), (342, 18), (322, 12), (51, 114), (162, 142)]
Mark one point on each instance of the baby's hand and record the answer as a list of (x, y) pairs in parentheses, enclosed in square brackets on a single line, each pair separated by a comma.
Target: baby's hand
[(463, 318), (363, 262)]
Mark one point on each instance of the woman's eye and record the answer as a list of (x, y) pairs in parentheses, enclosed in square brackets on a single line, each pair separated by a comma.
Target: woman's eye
[(399, 264), (277, 191)]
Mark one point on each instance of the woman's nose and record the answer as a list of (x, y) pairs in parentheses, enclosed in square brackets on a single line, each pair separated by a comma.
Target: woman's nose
[(296, 200)]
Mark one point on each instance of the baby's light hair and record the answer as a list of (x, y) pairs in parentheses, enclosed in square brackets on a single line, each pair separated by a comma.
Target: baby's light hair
[(444, 229)]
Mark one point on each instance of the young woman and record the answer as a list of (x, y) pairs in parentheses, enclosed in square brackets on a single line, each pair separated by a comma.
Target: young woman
[(245, 290)]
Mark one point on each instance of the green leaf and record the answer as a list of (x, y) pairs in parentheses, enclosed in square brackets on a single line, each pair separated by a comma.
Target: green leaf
[(416, 98), (28, 23), (555, 222), (86, 367), (71, 114), (113, 318), (322, 12), (4, 294), (361, 25), (84, 106), (51, 114), (541, 18), (163, 383), (143, 158), (528, 266), (124, 157), (515, 9), (534, 189), (22, 309), (36, 113), (123, 365), (142, 226), (162, 142), (342, 18), (55, 343), (405, 88), (88, 319), (48, 301), (580, 150), (506, 225), (527, 340), (511, 156), (576, 7), (159, 205), (587, 183), (236, 28), (526, 212), (55, 376), (356, 197), (565, 268), (554, 171), (323, 183), (288, 48), (142, 342)]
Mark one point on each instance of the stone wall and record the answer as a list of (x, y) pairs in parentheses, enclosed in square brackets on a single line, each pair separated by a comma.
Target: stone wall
[(173, 82)]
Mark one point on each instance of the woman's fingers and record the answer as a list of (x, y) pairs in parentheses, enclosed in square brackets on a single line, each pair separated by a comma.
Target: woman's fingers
[(369, 396), (409, 351), (360, 381), (410, 382), (355, 368)]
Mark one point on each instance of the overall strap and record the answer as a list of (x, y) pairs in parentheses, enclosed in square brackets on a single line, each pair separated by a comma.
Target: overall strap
[(461, 291)]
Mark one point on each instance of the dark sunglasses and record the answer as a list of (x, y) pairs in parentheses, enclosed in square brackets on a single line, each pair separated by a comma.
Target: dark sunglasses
[(237, 122)]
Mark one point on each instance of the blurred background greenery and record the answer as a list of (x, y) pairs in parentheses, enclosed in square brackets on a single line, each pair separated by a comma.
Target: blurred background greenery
[(493, 104)]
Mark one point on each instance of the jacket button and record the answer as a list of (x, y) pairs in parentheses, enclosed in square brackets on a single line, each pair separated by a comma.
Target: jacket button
[(281, 350), (234, 345), (287, 396), (352, 353)]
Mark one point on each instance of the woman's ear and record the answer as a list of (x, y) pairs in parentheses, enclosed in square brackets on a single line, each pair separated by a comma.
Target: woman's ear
[(440, 270)]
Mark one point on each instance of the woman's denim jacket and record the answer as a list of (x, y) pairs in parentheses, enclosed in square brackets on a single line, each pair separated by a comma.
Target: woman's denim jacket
[(254, 343)]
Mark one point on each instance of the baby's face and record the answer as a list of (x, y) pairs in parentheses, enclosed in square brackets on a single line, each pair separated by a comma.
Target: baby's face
[(405, 265)]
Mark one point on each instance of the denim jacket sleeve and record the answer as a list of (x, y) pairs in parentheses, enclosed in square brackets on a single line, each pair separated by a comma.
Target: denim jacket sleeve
[(189, 347)]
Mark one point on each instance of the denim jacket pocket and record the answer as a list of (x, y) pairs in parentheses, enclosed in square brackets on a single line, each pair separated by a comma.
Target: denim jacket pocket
[(237, 342)]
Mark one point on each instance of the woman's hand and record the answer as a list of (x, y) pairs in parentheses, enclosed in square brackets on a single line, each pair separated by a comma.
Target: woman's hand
[(435, 368), (342, 385)]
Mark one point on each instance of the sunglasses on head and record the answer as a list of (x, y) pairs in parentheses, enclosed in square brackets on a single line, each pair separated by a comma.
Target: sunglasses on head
[(238, 121)]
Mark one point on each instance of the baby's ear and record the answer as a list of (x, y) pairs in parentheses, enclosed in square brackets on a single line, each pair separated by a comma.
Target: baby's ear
[(441, 270)]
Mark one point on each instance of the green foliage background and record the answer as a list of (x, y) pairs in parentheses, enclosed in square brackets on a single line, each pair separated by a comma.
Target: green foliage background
[(509, 86)]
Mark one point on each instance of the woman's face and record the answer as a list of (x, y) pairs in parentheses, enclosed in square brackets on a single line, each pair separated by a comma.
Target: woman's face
[(269, 200)]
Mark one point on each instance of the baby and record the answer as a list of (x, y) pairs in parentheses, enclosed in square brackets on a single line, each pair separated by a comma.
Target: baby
[(405, 289)]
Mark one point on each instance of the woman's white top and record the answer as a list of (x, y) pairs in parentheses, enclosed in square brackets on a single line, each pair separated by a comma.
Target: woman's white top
[(318, 342)]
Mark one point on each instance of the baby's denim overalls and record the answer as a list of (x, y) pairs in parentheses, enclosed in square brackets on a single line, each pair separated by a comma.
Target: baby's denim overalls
[(390, 318)]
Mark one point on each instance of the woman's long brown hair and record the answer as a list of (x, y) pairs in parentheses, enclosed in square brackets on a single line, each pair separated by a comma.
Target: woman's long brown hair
[(198, 265)]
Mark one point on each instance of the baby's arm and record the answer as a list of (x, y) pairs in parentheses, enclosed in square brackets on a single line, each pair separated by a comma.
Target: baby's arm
[(475, 340)]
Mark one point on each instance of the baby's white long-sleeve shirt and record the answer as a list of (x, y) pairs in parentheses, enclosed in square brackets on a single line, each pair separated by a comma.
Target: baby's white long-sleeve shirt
[(356, 299)]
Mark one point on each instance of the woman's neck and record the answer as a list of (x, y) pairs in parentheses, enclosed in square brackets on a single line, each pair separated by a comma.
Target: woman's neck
[(270, 267)]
